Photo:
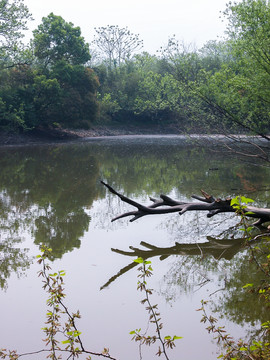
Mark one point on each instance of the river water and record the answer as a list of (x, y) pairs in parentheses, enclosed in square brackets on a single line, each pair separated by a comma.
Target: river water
[(52, 194)]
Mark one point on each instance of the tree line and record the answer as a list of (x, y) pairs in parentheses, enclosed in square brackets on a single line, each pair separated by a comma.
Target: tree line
[(59, 80)]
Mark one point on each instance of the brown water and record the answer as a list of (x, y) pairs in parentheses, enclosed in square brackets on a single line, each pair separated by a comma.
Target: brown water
[(52, 194)]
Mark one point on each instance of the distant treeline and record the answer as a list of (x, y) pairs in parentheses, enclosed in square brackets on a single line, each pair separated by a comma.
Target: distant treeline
[(59, 80)]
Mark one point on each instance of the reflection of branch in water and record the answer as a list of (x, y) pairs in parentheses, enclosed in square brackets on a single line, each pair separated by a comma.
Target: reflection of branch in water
[(225, 248), (217, 248), (121, 272)]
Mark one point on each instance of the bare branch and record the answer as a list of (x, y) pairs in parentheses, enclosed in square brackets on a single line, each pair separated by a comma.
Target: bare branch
[(207, 203)]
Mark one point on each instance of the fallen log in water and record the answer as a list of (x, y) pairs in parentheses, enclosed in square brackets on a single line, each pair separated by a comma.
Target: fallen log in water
[(208, 203)]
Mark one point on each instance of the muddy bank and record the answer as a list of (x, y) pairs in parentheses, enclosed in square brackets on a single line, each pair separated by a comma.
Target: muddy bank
[(64, 135), (7, 138)]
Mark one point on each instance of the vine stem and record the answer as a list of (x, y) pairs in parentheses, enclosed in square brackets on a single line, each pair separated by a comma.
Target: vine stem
[(156, 320), (43, 272)]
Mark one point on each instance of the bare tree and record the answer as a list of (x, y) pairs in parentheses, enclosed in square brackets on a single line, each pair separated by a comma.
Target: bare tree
[(116, 44)]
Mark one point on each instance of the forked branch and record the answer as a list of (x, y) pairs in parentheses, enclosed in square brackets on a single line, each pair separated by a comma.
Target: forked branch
[(208, 203)]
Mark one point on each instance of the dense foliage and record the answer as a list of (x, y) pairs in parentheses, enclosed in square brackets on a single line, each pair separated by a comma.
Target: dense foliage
[(52, 86), (215, 88)]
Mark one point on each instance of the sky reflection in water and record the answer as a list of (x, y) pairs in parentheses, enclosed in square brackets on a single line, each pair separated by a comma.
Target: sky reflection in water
[(53, 194)]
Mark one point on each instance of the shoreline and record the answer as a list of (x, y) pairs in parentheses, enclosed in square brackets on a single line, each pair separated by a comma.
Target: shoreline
[(55, 136), (42, 136)]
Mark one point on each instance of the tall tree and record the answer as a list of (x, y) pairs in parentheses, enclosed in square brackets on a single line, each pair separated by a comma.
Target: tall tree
[(78, 105), (116, 44), (249, 28), (56, 40), (13, 20), (242, 85)]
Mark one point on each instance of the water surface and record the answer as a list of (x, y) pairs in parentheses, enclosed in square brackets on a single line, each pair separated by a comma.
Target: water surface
[(52, 194)]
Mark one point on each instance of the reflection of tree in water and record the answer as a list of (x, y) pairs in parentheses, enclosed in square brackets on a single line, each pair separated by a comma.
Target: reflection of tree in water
[(183, 171), (143, 170), (154, 168), (204, 256), (233, 302), (226, 261), (61, 234), (238, 304), (53, 185), (12, 260), (227, 299)]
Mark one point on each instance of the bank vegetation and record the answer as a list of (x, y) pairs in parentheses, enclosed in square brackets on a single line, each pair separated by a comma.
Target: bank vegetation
[(58, 80)]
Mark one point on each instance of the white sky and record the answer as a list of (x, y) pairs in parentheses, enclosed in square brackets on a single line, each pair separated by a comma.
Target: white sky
[(193, 21)]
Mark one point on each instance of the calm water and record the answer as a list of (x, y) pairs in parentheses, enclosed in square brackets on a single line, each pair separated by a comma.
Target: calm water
[(52, 194)]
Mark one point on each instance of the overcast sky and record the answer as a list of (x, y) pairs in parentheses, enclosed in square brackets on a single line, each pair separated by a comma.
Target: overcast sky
[(193, 21)]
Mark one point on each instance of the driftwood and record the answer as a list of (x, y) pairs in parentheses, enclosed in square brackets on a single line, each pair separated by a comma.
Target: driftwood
[(206, 203)]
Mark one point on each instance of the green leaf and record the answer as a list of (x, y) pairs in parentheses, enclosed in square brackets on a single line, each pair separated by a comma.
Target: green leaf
[(55, 274), (247, 285), (139, 260), (66, 342), (177, 337), (246, 200), (147, 262), (73, 333), (167, 337), (266, 324), (254, 347), (235, 201), (243, 348)]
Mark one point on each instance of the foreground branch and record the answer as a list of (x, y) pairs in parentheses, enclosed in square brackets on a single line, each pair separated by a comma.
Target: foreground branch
[(206, 203)]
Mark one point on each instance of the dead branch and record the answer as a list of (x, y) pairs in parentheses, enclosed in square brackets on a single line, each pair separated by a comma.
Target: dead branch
[(207, 203)]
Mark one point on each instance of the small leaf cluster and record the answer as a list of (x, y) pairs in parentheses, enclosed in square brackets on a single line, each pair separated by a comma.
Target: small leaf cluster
[(54, 329), (239, 203), (257, 349), (8, 354), (167, 342), (235, 350), (53, 284), (257, 253)]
